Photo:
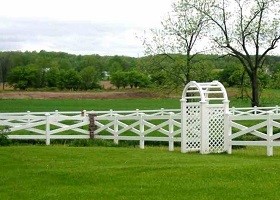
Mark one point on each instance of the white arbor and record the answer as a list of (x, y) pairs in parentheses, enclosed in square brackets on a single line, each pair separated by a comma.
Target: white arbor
[(203, 107)]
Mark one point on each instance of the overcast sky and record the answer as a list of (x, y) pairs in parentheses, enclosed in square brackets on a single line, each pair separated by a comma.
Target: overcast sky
[(104, 27)]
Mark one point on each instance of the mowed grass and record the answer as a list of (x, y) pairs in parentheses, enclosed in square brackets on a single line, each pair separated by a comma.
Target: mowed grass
[(47, 105), (60, 172), (269, 97)]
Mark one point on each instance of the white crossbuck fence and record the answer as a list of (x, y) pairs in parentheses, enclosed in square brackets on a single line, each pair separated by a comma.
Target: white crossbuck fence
[(204, 123), (258, 126), (139, 125)]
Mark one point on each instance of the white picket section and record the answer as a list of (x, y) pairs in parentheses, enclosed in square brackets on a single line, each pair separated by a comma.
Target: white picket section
[(57, 125)]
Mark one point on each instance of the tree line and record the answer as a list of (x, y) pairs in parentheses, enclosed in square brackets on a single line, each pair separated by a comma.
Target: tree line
[(59, 70), (62, 71)]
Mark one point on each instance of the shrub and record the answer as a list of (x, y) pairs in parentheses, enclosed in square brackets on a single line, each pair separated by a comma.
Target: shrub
[(4, 141), (90, 143)]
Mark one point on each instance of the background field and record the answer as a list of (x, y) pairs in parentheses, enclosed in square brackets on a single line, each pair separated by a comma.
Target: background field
[(22, 105), (73, 101)]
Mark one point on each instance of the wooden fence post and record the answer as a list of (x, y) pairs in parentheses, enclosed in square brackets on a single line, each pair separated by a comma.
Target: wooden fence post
[(92, 126)]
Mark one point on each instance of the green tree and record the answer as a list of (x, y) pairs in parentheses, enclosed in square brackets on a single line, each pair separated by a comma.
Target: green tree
[(132, 78), (136, 79), (119, 63), (89, 78), (52, 77), (69, 79), (119, 79), (275, 82), (23, 77), (159, 78), (203, 72), (232, 75)]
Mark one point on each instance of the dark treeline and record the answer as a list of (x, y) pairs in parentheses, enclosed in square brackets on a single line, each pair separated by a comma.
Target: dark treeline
[(57, 70)]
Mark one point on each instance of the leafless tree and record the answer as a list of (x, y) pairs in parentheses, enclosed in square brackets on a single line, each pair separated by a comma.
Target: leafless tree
[(180, 33), (248, 30)]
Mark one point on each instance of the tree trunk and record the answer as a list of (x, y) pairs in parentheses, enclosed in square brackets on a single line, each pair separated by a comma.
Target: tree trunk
[(255, 89), (188, 68), (242, 84), (2, 76)]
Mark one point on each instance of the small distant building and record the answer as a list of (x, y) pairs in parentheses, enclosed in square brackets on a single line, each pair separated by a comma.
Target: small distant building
[(105, 75)]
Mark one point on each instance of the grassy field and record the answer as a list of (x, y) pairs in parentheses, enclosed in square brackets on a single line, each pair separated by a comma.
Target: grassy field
[(269, 98), (22, 105), (59, 172)]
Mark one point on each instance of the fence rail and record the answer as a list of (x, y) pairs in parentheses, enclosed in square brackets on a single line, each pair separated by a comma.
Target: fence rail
[(252, 111)]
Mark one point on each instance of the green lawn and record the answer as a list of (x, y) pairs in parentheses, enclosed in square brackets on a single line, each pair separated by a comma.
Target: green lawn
[(48, 105), (60, 172), (269, 97), (22, 105)]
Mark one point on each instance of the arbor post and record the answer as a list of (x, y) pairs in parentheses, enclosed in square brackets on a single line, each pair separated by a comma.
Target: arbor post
[(183, 126), (204, 120)]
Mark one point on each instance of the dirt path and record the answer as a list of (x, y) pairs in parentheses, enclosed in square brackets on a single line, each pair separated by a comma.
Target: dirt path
[(74, 95)]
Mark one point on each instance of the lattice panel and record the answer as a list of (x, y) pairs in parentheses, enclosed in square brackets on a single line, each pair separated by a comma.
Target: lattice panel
[(193, 128), (216, 130)]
